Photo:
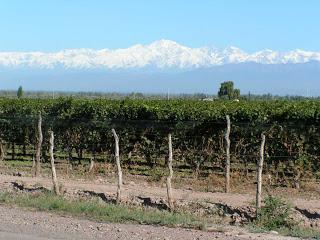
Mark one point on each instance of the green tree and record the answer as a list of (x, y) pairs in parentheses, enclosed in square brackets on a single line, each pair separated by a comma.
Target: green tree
[(20, 92), (227, 91), (236, 93)]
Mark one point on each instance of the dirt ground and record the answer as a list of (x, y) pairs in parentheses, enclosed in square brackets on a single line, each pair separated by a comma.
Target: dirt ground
[(24, 224), (18, 223), (131, 188)]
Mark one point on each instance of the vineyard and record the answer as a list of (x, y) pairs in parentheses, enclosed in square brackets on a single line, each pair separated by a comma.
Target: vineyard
[(83, 131)]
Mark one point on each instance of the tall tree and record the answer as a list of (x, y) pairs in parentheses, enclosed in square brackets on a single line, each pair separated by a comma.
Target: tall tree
[(236, 93), (20, 92), (227, 91)]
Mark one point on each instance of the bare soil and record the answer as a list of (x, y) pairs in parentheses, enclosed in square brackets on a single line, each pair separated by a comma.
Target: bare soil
[(145, 190), (24, 224), (18, 223)]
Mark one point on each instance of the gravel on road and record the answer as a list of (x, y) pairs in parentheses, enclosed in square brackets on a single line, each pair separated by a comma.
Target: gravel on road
[(17, 223)]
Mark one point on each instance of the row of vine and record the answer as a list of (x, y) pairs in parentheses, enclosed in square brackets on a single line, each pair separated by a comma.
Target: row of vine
[(197, 127)]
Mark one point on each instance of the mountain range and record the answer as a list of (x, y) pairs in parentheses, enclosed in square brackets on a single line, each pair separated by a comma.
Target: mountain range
[(163, 66), (160, 54)]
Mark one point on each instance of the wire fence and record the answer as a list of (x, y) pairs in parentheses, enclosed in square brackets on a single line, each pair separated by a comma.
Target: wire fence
[(197, 144)]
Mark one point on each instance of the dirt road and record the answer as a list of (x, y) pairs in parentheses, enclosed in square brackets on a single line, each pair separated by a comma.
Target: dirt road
[(18, 223)]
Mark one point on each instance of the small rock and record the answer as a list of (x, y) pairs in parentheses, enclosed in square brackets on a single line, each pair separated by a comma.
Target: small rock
[(274, 232)]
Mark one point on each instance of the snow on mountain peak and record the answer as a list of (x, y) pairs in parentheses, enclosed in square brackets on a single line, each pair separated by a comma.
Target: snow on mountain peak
[(159, 54), (164, 43)]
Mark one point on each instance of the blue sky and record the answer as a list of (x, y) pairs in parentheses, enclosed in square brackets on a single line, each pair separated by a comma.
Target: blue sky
[(51, 25)]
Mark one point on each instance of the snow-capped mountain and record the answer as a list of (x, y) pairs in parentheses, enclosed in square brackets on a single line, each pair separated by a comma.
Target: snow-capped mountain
[(160, 67), (160, 54)]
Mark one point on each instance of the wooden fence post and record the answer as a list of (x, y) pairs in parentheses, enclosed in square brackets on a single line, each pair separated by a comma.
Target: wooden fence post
[(227, 163), (259, 175), (169, 189), (117, 156), (2, 151), (38, 150), (13, 151), (92, 159), (53, 168), (91, 164)]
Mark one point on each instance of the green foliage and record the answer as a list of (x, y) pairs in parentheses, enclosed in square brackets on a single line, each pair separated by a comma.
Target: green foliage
[(20, 92), (157, 173), (227, 91), (301, 232), (98, 211), (236, 93), (274, 214), (197, 128)]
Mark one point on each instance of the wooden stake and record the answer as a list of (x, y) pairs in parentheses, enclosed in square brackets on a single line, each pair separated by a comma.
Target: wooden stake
[(259, 175), (169, 189), (2, 151), (227, 163), (38, 150), (92, 159), (53, 168), (13, 150), (117, 156), (91, 164)]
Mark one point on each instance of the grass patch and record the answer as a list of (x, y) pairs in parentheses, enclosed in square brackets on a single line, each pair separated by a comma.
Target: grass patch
[(274, 215), (19, 163), (104, 212), (294, 231), (301, 232)]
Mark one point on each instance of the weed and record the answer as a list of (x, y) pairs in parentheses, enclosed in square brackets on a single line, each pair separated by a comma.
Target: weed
[(274, 214), (156, 174), (301, 232), (96, 210)]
